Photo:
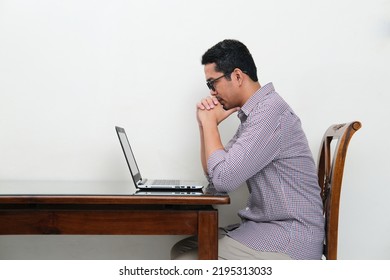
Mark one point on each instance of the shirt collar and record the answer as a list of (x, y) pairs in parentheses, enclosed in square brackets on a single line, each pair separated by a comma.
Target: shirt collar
[(251, 103)]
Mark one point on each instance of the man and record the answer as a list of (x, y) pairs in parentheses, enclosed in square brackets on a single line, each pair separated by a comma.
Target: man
[(283, 218)]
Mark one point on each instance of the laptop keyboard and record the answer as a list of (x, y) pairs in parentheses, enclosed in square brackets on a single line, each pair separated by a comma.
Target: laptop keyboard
[(166, 182)]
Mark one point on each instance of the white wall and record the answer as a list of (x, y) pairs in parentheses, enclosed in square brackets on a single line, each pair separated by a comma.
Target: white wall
[(72, 70)]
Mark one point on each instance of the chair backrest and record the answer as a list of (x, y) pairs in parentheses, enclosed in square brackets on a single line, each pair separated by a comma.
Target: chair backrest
[(331, 161)]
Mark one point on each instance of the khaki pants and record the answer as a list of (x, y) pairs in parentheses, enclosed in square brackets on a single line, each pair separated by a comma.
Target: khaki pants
[(228, 249)]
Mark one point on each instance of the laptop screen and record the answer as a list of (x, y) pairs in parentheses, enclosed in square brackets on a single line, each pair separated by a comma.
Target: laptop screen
[(128, 154)]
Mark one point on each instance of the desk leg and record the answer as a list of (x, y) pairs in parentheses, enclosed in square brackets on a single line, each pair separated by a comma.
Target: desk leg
[(208, 235)]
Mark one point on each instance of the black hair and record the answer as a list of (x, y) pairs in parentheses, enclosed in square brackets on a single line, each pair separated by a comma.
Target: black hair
[(230, 54)]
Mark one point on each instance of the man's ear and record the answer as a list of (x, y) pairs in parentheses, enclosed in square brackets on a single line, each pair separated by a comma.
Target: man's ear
[(238, 76)]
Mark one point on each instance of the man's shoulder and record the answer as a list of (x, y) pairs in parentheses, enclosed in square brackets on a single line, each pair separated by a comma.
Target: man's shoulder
[(271, 103)]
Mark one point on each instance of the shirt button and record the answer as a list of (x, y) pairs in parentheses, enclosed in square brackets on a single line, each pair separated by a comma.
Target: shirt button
[(247, 208)]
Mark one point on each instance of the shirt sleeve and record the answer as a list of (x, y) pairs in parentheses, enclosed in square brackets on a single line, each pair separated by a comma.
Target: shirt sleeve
[(249, 152)]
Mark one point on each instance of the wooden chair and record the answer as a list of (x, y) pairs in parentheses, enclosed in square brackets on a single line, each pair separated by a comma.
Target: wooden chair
[(330, 176)]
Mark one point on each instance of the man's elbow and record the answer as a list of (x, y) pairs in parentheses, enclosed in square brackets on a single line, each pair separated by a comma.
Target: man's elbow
[(225, 182)]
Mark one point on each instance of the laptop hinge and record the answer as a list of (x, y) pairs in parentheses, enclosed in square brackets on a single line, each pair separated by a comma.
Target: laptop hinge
[(141, 181)]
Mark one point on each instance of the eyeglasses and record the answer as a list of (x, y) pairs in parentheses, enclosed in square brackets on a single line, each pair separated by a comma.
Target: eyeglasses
[(210, 83)]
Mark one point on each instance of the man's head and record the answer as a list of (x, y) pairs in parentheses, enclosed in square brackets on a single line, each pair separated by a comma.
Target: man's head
[(228, 55), (231, 73)]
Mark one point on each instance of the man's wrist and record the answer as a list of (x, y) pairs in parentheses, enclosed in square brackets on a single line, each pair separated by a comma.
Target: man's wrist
[(207, 125)]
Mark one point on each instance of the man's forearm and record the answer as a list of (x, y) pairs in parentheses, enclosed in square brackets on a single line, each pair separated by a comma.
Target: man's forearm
[(202, 150), (211, 140)]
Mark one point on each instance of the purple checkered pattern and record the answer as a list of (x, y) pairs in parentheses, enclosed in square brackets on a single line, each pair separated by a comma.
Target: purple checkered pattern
[(270, 153)]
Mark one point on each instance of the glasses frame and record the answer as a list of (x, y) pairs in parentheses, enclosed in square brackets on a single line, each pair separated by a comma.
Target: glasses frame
[(210, 83)]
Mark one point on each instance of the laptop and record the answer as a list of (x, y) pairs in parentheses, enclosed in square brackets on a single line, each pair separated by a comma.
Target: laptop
[(156, 184)]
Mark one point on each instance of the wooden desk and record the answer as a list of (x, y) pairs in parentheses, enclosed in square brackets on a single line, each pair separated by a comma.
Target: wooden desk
[(117, 214)]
